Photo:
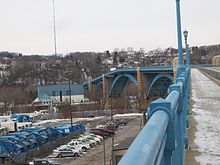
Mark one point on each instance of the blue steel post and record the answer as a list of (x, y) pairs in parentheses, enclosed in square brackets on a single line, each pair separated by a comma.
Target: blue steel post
[(187, 98), (184, 136), (177, 157), (185, 33), (179, 35)]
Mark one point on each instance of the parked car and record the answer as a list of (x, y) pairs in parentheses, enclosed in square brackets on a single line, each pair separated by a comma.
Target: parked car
[(79, 144), (97, 140), (91, 142), (72, 147), (120, 121), (43, 162), (110, 125), (90, 116), (98, 132), (63, 152), (93, 135), (104, 130)]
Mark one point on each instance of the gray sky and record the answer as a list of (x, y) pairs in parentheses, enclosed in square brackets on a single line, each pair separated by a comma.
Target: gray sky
[(99, 25)]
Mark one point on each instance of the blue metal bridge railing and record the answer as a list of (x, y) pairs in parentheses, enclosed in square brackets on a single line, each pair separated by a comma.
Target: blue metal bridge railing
[(163, 139)]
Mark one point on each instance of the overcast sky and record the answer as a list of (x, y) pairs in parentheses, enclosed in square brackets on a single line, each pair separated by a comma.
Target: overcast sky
[(26, 26)]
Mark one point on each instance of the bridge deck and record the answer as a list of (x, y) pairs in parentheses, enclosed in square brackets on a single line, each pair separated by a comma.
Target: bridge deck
[(161, 69)]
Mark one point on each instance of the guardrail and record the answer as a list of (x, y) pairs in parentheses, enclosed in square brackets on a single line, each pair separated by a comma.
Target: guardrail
[(163, 139), (211, 72)]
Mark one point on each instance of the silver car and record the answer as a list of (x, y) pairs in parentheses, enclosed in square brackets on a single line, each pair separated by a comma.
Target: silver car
[(63, 152)]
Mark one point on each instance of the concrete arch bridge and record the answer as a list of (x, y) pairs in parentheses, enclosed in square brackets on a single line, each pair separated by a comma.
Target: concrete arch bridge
[(150, 83)]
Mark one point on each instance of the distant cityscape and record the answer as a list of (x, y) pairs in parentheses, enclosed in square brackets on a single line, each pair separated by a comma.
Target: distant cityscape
[(16, 68)]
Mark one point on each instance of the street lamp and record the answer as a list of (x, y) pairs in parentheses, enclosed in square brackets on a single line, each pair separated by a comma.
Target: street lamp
[(185, 34)]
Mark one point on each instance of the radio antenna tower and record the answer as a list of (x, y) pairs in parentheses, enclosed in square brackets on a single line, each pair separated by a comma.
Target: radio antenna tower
[(54, 29)]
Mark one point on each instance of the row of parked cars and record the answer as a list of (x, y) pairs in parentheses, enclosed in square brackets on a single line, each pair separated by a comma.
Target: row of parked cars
[(108, 129), (76, 147)]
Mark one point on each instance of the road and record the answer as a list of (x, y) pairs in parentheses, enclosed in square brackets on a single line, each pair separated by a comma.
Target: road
[(204, 131)]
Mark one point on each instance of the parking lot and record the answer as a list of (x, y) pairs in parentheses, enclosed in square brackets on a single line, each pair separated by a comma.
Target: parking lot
[(95, 155)]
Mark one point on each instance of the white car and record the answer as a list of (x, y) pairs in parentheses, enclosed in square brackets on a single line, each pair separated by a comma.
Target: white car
[(98, 141), (63, 152), (79, 144), (91, 142), (72, 147), (93, 135)]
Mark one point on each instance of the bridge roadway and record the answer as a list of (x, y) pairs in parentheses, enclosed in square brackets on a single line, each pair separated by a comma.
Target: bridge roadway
[(204, 131)]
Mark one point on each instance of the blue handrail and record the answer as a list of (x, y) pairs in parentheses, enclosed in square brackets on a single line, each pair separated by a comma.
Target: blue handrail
[(146, 151)]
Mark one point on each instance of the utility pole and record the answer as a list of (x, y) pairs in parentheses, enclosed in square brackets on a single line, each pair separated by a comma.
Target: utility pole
[(71, 115), (110, 96), (113, 150), (104, 150), (54, 29)]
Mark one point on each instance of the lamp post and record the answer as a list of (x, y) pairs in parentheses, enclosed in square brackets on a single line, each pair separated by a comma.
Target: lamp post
[(179, 37), (185, 34)]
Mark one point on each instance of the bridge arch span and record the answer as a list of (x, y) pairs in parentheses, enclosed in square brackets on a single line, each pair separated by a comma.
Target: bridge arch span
[(99, 85), (120, 82), (99, 90), (160, 85)]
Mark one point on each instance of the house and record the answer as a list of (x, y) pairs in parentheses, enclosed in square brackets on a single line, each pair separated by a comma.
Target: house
[(4, 65), (216, 60)]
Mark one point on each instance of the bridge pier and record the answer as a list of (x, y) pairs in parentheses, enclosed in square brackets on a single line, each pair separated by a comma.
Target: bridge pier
[(91, 93), (142, 88), (105, 89)]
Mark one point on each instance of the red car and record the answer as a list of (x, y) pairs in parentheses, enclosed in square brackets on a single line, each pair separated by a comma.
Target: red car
[(98, 132)]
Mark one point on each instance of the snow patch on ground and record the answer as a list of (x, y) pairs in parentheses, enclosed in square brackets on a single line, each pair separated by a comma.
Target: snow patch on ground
[(67, 120), (206, 109), (128, 114)]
